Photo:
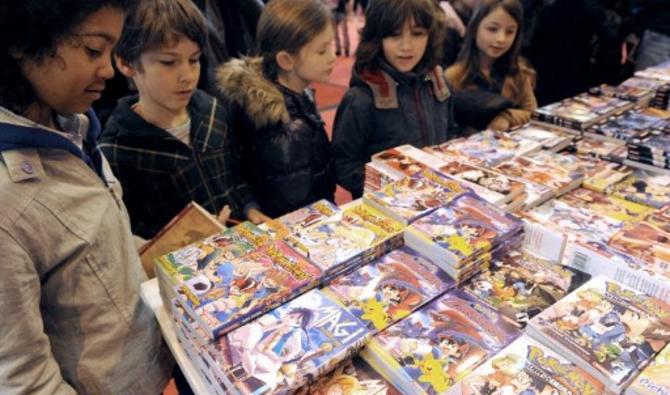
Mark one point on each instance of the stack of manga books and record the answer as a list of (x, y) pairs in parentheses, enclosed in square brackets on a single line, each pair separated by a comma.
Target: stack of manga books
[(561, 173), (352, 377), (347, 240), (552, 139), (634, 124), (660, 72), (653, 150), (631, 90), (487, 148), (607, 206), (520, 285), (605, 328), (654, 379), (282, 351), (376, 176), (390, 288), (229, 293), (529, 367), (437, 346), (462, 236), (605, 178), (299, 219), (410, 198), (662, 98), (182, 265), (580, 112), (645, 188), (600, 147)]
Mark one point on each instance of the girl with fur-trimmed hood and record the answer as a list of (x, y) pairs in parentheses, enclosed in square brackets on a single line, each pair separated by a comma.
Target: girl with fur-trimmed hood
[(398, 93), (287, 158)]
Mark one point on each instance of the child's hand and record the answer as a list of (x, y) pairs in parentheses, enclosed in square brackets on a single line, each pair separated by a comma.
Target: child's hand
[(224, 214), (257, 217)]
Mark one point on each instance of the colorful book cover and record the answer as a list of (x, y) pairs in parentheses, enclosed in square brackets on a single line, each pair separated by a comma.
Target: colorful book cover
[(559, 179), (647, 242), (528, 367), (229, 293), (645, 188), (389, 289), (607, 206), (575, 222), (611, 330), (435, 347), (496, 182), (448, 151), (654, 379), (291, 346), (462, 230), (550, 138), (303, 217), (336, 241), (598, 148), (606, 178), (353, 377), (520, 285), (406, 160), (415, 196)]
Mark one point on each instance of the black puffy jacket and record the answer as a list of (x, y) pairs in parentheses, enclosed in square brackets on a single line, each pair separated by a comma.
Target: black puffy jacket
[(385, 108), (287, 157)]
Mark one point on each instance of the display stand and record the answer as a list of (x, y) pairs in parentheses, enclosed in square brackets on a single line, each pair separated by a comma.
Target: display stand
[(151, 297)]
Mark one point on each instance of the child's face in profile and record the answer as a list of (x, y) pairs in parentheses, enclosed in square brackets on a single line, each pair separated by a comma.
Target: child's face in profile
[(168, 75), (315, 60), (71, 80), (496, 34), (405, 48)]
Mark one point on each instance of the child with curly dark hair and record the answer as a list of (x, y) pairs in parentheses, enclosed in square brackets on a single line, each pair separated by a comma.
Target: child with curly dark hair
[(73, 321)]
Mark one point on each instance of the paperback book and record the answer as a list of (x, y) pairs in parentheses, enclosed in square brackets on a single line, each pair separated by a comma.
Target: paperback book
[(352, 377), (559, 179), (552, 139), (608, 329), (301, 218), (607, 206), (647, 242), (500, 184), (645, 188), (654, 379)]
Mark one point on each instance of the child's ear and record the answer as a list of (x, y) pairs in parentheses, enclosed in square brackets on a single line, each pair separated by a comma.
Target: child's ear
[(285, 60), (124, 67)]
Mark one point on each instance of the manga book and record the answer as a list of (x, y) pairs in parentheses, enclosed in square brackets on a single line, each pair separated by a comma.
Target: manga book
[(302, 218), (290, 346), (633, 124), (520, 285), (648, 242), (177, 267), (507, 187), (604, 179), (658, 145), (377, 176), (352, 377), (607, 206), (390, 288), (600, 148), (558, 179), (550, 138), (528, 367), (606, 328), (643, 83), (406, 160), (408, 199), (581, 111), (639, 94), (228, 293), (654, 379), (438, 345), (457, 233), (574, 222), (449, 151), (348, 239), (645, 188), (660, 72)]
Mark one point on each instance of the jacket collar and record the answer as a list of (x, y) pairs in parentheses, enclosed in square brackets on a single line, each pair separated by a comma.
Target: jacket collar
[(384, 82)]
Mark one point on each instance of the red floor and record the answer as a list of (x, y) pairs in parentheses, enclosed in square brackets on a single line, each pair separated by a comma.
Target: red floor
[(328, 96)]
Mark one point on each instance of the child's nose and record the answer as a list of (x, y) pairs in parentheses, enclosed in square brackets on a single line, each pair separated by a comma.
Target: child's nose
[(106, 70)]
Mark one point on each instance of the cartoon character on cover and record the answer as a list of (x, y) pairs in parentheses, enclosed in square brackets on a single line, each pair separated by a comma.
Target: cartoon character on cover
[(648, 191), (272, 350), (432, 373), (647, 242)]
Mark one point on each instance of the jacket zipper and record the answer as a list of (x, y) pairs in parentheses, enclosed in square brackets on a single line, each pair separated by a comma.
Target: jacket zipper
[(423, 126)]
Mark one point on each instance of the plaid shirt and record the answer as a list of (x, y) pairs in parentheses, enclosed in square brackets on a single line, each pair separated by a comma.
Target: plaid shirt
[(160, 174)]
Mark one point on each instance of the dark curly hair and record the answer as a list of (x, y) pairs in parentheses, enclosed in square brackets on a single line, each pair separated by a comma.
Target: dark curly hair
[(35, 28), (384, 17)]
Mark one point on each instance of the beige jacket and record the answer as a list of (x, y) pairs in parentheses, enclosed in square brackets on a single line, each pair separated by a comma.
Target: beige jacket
[(72, 317)]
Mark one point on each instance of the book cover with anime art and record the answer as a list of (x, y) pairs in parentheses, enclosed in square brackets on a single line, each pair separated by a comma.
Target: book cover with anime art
[(390, 288), (551, 139), (406, 160), (495, 182), (647, 241), (528, 367), (655, 378), (448, 151), (604, 179), (558, 179), (607, 206), (645, 188), (633, 124), (291, 346), (575, 222), (230, 292), (410, 198), (301, 218), (177, 267), (608, 329), (520, 285), (338, 241), (438, 345), (462, 230), (600, 148), (353, 377)]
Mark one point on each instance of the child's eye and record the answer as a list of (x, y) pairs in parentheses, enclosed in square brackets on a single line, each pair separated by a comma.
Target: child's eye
[(194, 60), (419, 32), (93, 53), (167, 62)]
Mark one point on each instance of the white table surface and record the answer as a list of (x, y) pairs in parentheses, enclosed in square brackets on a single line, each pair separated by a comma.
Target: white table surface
[(151, 298)]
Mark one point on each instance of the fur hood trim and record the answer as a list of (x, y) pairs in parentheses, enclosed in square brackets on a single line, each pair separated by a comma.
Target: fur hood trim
[(242, 81)]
